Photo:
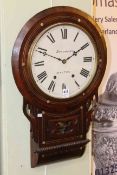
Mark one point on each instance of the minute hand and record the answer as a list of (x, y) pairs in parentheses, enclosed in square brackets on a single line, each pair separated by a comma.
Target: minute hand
[(75, 52)]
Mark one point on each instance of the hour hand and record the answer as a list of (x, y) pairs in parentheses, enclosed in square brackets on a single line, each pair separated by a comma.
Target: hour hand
[(44, 52), (59, 59)]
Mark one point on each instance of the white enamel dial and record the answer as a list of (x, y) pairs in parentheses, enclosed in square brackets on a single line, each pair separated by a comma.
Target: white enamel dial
[(63, 60)]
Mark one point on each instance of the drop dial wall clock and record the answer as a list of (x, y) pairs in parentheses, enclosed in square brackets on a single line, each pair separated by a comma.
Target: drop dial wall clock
[(58, 61)]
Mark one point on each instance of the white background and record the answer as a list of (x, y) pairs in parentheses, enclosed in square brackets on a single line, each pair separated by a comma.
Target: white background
[(14, 127)]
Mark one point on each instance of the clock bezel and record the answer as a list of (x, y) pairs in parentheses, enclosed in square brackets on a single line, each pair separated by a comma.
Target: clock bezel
[(31, 29), (29, 76)]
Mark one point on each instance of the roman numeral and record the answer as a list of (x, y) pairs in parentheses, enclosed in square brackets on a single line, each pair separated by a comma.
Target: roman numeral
[(77, 83), (51, 38), (41, 50), (84, 72), (76, 36), (63, 86), (64, 33), (51, 86), (87, 59), (84, 46), (42, 76), (40, 63)]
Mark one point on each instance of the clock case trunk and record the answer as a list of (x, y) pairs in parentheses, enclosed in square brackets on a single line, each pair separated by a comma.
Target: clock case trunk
[(55, 137)]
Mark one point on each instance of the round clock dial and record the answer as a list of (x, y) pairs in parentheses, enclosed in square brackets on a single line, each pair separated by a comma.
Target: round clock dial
[(63, 60)]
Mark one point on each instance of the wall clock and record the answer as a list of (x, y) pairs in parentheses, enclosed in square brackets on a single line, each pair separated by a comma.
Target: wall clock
[(58, 61)]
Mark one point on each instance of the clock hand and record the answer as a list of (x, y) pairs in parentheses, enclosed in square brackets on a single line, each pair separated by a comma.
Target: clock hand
[(54, 57), (45, 53), (82, 48), (75, 52)]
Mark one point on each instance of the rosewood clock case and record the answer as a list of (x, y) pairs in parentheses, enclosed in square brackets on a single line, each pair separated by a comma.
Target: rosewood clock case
[(58, 126)]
